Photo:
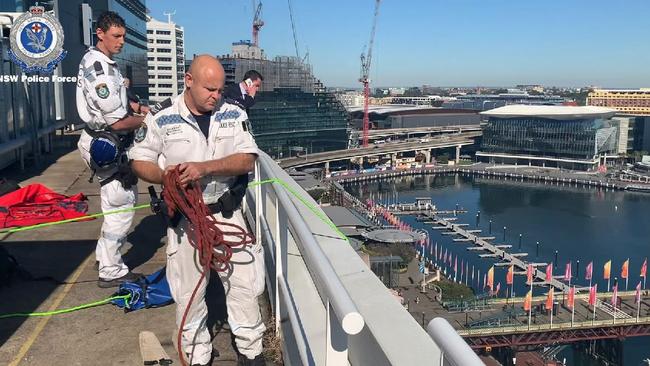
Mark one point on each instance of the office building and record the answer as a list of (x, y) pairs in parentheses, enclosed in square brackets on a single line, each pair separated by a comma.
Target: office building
[(484, 102), (288, 121), (166, 59), (576, 138), (626, 101)]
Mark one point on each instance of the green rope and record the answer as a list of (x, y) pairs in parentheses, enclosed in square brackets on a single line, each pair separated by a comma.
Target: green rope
[(67, 310), (284, 185), (81, 218), (302, 200)]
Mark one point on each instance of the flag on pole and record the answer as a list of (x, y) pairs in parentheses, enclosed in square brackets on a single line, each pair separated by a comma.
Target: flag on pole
[(607, 269), (529, 274), (637, 296), (615, 295), (484, 281), (456, 264), (625, 269), (435, 250), (589, 270), (571, 297), (592, 294), (510, 275), (490, 278), (528, 300), (644, 268), (496, 291), (567, 272), (549, 272), (549, 299)]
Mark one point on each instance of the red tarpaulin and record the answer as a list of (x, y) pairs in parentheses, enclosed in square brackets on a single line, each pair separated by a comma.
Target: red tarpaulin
[(36, 204)]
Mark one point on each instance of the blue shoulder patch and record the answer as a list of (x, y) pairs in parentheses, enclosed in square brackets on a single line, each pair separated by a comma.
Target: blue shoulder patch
[(169, 119), (232, 114)]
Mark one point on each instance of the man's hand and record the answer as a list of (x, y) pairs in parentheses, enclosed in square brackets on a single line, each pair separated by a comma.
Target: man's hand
[(251, 90), (191, 172), (144, 109)]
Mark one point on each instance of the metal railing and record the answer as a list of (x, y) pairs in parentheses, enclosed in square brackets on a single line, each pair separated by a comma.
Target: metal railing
[(329, 308)]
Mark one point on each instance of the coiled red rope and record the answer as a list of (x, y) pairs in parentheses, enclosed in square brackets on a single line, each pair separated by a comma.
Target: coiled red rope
[(203, 233)]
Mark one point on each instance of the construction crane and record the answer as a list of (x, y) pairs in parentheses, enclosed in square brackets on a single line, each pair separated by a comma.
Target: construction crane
[(366, 58), (293, 28), (258, 23)]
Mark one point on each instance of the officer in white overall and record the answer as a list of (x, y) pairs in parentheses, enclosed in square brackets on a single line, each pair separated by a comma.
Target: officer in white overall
[(210, 142), (102, 105)]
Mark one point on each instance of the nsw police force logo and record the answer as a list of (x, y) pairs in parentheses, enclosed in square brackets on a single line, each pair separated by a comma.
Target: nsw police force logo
[(37, 41)]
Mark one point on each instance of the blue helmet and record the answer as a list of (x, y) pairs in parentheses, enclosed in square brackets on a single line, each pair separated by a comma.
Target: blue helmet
[(103, 152)]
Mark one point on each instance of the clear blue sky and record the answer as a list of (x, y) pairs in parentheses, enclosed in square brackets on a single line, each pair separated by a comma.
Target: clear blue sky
[(439, 42)]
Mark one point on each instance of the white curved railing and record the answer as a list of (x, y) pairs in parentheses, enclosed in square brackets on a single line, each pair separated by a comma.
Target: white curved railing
[(329, 308)]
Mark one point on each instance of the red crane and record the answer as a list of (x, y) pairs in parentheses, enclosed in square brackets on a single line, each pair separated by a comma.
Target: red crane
[(365, 75), (258, 23)]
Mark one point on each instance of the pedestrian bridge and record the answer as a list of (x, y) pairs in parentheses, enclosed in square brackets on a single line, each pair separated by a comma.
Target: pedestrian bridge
[(329, 308)]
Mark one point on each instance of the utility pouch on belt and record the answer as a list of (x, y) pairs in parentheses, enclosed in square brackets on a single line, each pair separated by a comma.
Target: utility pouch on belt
[(231, 199), (159, 207)]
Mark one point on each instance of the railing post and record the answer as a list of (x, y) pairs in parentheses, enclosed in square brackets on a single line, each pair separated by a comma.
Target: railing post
[(258, 202), (279, 273), (336, 339)]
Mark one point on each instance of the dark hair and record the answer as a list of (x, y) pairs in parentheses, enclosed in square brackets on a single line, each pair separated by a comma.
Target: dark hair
[(107, 19), (253, 75)]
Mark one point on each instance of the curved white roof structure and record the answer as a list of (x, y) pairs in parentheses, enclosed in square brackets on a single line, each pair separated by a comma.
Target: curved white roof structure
[(550, 112)]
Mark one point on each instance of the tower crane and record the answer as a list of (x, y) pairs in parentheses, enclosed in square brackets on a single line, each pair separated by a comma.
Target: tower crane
[(366, 58), (258, 23)]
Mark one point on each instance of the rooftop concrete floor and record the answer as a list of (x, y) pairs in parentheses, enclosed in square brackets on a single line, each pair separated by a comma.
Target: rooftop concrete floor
[(102, 335)]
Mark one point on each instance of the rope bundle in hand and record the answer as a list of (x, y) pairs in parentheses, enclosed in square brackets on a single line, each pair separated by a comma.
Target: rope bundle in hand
[(203, 233)]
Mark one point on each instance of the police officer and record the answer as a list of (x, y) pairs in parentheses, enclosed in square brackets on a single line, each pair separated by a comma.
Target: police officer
[(102, 104), (209, 141)]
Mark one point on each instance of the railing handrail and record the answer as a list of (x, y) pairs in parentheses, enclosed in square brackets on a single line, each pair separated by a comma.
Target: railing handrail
[(454, 349), (327, 281)]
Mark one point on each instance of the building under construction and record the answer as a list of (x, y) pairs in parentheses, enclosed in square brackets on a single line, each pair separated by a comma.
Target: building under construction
[(292, 114)]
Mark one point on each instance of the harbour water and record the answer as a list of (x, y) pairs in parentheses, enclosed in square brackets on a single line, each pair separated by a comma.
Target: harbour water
[(580, 223)]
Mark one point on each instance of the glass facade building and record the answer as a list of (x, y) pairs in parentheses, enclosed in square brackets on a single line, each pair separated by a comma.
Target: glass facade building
[(287, 121), (561, 136)]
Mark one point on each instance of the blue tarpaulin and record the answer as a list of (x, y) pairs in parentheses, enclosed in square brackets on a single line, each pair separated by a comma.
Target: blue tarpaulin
[(151, 291)]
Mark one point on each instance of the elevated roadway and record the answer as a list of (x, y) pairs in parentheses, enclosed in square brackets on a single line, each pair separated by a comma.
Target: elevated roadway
[(439, 142), (417, 131)]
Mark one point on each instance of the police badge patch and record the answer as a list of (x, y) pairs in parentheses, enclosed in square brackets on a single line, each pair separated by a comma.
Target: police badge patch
[(102, 90), (140, 133), (36, 41)]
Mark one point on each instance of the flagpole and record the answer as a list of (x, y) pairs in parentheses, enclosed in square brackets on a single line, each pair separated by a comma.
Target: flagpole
[(573, 306), (608, 280), (530, 308), (552, 304), (638, 308), (626, 279), (595, 302)]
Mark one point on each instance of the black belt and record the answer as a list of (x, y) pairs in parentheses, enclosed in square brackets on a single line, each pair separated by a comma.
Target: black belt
[(215, 208)]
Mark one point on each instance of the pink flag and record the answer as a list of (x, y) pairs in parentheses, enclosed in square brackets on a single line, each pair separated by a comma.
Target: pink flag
[(592, 294), (456, 264), (567, 272), (435, 256), (496, 291), (484, 279), (637, 296), (549, 272), (589, 270), (462, 268), (615, 295)]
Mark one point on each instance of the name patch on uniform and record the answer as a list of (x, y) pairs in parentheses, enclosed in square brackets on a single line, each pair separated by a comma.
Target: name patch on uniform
[(140, 133), (102, 90)]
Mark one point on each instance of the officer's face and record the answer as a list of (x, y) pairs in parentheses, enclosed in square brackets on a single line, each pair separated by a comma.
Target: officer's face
[(205, 89), (113, 39)]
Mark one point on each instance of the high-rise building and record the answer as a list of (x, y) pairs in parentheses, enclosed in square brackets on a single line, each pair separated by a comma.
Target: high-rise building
[(626, 101), (551, 136), (166, 57)]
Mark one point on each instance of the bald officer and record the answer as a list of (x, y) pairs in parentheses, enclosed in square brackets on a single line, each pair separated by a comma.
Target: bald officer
[(209, 141)]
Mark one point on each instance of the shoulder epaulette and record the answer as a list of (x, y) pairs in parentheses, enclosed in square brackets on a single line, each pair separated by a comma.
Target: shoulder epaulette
[(234, 102), (160, 106), (99, 70)]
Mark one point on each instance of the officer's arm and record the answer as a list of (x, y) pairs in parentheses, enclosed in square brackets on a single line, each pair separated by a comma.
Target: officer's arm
[(128, 123), (235, 164), (145, 151), (147, 171)]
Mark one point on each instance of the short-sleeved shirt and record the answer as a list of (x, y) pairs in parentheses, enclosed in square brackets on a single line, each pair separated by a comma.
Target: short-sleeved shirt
[(172, 136), (101, 93)]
